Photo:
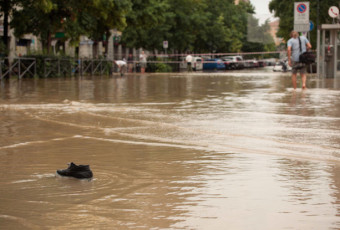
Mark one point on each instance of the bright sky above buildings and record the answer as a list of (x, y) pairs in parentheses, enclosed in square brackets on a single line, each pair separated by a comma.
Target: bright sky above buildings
[(262, 10)]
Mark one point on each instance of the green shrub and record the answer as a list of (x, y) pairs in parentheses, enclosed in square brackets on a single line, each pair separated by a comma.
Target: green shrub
[(158, 67), (49, 65)]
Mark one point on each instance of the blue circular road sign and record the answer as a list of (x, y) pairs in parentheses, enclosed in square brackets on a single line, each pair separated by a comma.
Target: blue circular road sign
[(301, 8), (311, 25)]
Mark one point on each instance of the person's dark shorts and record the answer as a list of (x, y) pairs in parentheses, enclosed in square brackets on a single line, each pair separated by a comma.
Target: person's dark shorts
[(298, 67), (143, 64)]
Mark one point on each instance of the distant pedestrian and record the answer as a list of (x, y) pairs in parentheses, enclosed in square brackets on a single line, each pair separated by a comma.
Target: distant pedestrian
[(188, 60), (142, 60), (121, 66), (293, 53), (130, 63)]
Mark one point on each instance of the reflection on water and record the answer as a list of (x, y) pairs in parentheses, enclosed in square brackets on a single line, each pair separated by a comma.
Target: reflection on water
[(198, 151)]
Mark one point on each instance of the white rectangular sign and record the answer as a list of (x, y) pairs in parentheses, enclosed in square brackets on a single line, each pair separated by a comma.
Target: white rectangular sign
[(165, 44), (302, 27), (301, 13)]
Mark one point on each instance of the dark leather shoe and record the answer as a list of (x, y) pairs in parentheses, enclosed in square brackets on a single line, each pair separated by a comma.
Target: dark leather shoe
[(77, 171)]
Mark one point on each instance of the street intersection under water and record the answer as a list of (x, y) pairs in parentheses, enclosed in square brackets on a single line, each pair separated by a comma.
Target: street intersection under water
[(224, 150)]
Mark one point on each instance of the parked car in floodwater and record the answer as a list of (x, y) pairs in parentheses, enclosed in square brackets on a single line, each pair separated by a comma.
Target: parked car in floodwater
[(213, 64), (197, 63), (282, 66), (233, 62), (252, 63)]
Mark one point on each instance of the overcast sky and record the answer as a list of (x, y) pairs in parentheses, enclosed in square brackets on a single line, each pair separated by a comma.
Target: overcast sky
[(261, 9)]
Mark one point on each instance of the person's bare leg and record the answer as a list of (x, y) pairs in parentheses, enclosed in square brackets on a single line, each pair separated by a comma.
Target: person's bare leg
[(294, 80), (304, 79)]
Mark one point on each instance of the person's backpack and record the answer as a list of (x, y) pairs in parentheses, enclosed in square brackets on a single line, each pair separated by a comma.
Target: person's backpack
[(306, 57)]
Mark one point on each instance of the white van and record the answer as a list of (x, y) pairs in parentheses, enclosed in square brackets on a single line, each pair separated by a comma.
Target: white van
[(197, 63)]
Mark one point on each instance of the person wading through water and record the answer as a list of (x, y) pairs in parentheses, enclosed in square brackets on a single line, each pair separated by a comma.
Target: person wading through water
[(294, 52)]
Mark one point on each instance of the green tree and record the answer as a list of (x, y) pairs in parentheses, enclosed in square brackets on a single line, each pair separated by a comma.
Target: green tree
[(7, 7), (43, 21), (196, 25), (105, 16), (147, 24), (239, 24), (186, 26), (221, 28), (72, 17), (225, 26)]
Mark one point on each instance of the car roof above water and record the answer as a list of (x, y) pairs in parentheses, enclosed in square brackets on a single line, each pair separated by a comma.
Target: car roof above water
[(232, 57)]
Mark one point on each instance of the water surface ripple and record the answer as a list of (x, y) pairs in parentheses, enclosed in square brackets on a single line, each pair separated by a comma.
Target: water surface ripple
[(239, 150)]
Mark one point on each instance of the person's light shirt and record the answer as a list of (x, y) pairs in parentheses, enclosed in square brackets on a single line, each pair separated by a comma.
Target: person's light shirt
[(188, 58), (120, 62), (295, 46)]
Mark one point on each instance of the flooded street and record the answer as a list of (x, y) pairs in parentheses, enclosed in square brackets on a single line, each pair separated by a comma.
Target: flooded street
[(225, 150)]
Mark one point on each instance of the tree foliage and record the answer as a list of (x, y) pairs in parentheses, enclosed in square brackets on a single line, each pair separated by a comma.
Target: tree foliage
[(7, 7), (188, 25), (72, 17), (145, 18)]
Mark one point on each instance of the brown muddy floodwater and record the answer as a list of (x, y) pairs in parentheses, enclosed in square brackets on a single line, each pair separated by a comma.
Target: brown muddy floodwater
[(236, 150)]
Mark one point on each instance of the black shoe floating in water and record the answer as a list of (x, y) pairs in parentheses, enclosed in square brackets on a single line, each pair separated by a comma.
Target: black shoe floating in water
[(77, 171)]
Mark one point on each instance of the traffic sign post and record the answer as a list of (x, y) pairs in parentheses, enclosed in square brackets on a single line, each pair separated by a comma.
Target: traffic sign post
[(301, 16)]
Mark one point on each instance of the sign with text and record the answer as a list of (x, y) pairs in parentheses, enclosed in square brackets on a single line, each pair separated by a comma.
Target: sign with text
[(301, 16), (301, 13), (301, 27)]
